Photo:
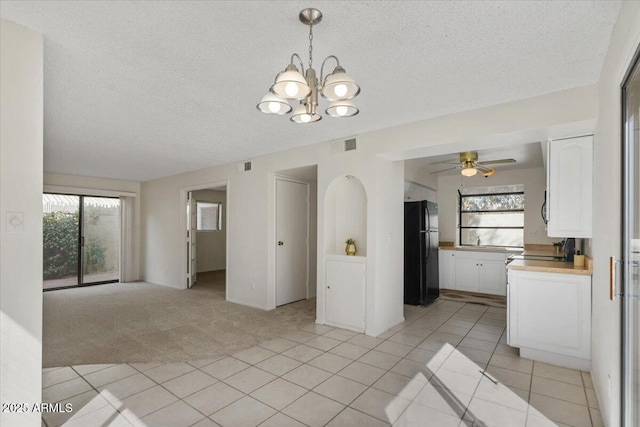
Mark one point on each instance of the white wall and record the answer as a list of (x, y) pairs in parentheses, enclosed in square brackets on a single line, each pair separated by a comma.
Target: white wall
[(21, 130), (416, 173), (251, 197), (72, 184), (606, 213), (211, 246), (534, 181)]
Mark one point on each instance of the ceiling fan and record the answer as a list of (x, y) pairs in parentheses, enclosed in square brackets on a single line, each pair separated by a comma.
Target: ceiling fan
[(470, 165)]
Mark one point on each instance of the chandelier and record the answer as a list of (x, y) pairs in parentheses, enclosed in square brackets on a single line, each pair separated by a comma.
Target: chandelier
[(294, 85)]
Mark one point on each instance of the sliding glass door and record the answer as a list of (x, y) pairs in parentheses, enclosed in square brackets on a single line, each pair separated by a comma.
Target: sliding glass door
[(81, 240), (100, 239), (61, 240), (631, 247)]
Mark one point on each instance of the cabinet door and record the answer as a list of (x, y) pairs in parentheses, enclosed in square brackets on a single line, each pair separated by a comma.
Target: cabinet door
[(466, 273), (569, 187), (344, 296), (550, 312), (446, 261), (492, 277)]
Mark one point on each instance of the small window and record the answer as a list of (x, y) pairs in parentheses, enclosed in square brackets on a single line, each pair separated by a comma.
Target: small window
[(492, 219), (208, 216)]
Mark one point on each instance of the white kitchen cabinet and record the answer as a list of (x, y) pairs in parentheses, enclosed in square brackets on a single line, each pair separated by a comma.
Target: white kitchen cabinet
[(466, 273), (569, 187), (345, 292), (492, 277), (482, 272), (446, 268), (549, 317)]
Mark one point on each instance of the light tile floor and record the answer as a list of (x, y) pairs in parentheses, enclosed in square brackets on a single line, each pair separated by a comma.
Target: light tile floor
[(447, 365)]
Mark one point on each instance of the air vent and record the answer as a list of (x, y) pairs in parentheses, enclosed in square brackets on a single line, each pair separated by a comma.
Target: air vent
[(247, 166), (350, 144)]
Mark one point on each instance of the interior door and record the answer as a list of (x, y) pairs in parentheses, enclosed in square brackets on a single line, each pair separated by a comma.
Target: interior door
[(631, 248), (191, 239), (291, 236)]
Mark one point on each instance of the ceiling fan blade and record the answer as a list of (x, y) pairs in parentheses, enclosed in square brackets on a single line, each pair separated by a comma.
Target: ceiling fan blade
[(497, 162), (489, 173), (444, 170), (482, 168)]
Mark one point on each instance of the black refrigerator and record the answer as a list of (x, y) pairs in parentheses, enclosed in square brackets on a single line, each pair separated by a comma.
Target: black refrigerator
[(421, 285)]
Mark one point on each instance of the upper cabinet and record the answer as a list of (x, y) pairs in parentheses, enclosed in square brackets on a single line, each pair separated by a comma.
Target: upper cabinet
[(569, 186)]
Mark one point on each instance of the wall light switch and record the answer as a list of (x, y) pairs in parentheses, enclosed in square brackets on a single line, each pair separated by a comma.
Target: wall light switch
[(15, 222)]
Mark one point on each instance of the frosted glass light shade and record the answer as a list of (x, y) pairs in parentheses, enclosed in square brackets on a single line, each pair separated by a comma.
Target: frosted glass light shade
[(469, 171), (338, 86), (271, 104), (300, 115), (291, 85), (342, 109)]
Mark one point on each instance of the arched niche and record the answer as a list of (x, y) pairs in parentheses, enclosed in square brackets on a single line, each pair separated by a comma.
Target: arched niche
[(345, 215)]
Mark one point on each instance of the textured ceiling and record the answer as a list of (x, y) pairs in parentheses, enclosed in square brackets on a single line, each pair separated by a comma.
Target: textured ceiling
[(141, 90)]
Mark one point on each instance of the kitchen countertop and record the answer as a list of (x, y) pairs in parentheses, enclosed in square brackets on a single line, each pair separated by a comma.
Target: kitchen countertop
[(482, 249), (552, 266)]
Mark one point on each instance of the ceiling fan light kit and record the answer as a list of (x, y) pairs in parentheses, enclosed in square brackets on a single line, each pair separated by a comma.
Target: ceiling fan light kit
[(470, 166), (294, 85)]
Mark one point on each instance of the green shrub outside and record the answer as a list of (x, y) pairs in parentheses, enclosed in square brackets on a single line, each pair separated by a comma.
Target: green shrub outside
[(60, 246)]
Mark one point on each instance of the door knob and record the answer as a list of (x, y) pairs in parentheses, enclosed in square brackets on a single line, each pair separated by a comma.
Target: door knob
[(280, 243)]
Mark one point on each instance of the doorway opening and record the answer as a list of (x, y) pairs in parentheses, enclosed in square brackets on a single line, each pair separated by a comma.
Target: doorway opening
[(81, 240), (206, 221)]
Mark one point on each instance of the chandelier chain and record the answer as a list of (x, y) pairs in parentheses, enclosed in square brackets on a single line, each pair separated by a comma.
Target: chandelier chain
[(310, 45)]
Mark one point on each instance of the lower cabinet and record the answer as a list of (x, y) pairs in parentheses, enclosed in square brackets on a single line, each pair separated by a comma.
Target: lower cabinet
[(345, 278), (492, 277), (549, 317), (466, 273), (446, 268), (473, 271)]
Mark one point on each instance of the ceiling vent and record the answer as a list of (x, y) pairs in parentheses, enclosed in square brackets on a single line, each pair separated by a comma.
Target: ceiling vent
[(247, 166), (350, 144)]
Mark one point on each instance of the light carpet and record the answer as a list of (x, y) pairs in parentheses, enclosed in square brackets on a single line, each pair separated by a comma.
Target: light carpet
[(143, 322)]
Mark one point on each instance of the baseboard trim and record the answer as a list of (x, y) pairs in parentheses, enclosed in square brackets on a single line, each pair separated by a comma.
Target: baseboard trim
[(162, 284), (260, 307)]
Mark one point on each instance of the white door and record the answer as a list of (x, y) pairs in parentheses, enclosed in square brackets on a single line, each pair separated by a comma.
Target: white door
[(344, 304), (191, 239), (291, 237)]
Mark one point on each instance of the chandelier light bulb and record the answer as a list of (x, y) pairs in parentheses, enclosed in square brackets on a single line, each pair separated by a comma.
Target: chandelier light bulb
[(305, 118), (340, 90), (274, 107), (291, 89), (271, 104), (342, 109)]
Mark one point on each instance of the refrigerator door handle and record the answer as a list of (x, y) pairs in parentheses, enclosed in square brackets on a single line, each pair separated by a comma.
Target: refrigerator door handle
[(428, 245)]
